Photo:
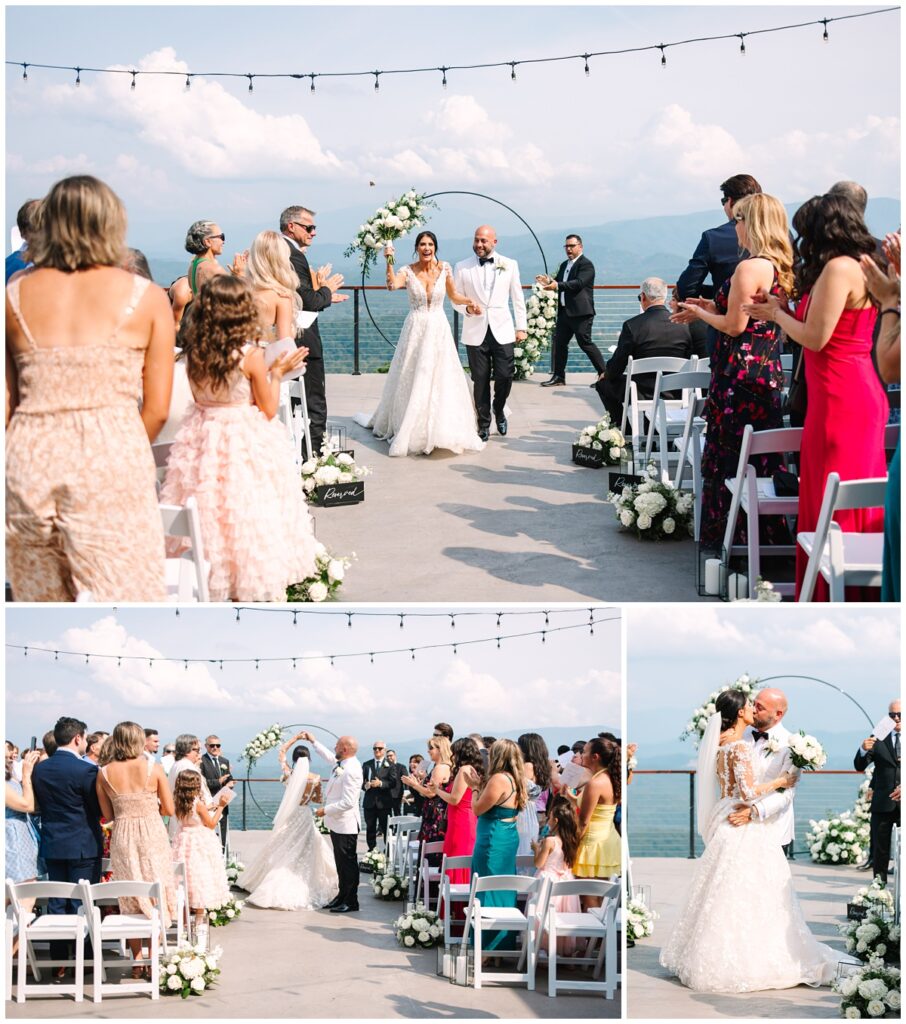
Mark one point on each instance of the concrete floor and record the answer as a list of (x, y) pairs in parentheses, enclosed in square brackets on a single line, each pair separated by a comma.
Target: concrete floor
[(517, 521), (313, 964), (823, 893)]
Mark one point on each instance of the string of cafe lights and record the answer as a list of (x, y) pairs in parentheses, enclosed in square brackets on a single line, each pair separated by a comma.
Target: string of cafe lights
[(402, 616), (58, 653), (443, 69)]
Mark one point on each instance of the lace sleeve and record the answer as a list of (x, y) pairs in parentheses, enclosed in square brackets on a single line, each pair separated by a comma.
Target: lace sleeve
[(740, 759)]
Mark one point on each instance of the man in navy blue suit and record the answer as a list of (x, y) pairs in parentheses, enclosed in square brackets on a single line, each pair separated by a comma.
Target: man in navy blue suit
[(717, 253), (64, 787)]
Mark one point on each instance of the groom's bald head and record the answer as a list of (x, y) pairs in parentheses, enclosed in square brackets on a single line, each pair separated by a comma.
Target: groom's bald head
[(770, 707), (347, 746), (484, 241)]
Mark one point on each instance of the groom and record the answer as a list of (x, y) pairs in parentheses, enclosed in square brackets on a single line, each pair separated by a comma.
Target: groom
[(341, 815), (769, 739), (492, 283)]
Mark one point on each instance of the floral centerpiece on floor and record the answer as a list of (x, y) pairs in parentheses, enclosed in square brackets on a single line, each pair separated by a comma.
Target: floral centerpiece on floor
[(695, 727), (260, 744), (330, 571), (393, 220), (873, 896), (331, 467), (603, 437), (765, 592), (875, 936), (541, 316), (224, 913), (390, 886), (872, 991), (639, 921), (189, 970), (374, 862), (234, 868), (653, 509), (837, 840), (418, 928)]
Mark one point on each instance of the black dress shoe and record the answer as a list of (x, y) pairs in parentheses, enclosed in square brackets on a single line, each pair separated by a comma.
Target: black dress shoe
[(502, 426), (335, 902), (554, 382), (344, 908), (484, 435)]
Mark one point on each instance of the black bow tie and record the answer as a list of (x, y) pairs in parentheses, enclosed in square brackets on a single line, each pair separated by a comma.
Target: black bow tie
[(485, 259), (756, 735)]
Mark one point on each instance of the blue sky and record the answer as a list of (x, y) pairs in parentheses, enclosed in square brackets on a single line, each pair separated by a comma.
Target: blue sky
[(632, 139), (573, 678)]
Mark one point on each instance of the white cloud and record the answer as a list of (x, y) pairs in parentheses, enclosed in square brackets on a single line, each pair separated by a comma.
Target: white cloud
[(54, 166)]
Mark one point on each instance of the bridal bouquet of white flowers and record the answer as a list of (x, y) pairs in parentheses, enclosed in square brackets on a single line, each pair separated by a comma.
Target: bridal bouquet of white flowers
[(189, 970), (419, 928), (325, 581), (639, 920), (259, 745), (395, 218), (234, 869), (331, 467), (871, 991), (541, 317), (603, 437), (220, 914), (695, 727), (840, 839), (390, 886), (806, 752), (653, 509), (320, 823), (875, 935)]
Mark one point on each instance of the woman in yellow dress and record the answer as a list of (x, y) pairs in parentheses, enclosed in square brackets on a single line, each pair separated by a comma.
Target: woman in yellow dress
[(599, 844)]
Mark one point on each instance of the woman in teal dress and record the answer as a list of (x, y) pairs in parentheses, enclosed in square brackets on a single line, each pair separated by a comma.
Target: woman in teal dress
[(497, 806)]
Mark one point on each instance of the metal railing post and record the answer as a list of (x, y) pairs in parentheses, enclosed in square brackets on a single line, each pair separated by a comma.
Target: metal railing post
[(692, 815), (355, 332), (244, 805)]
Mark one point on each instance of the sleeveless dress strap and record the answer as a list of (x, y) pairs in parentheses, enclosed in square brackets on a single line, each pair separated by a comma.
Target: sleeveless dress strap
[(193, 271), (103, 771), (139, 287), (12, 290)]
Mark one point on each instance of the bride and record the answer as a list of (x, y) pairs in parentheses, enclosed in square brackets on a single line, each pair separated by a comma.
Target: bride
[(427, 402), (741, 929), (296, 869)]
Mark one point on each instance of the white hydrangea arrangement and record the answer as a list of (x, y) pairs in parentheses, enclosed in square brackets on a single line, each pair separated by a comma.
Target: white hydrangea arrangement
[(653, 509), (374, 862), (541, 317), (639, 920), (765, 592), (604, 437), (875, 895), (189, 970), (806, 752), (261, 743), (390, 886), (695, 727), (875, 936), (862, 808), (418, 928), (220, 914), (837, 840), (872, 991), (393, 220), (330, 571), (331, 467), (234, 869)]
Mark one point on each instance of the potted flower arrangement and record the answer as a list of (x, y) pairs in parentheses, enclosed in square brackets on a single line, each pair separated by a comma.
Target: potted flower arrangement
[(871, 991), (599, 444), (189, 970), (541, 317), (418, 928), (837, 840), (223, 913), (234, 869), (390, 886), (653, 509), (639, 920), (330, 571), (334, 478), (868, 898), (695, 727), (374, 862), (875, 937)]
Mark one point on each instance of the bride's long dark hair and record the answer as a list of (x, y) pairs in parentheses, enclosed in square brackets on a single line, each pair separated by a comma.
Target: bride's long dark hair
[(728, 705)]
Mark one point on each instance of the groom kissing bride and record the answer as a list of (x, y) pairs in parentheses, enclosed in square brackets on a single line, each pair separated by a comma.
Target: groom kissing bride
[(741, 928)]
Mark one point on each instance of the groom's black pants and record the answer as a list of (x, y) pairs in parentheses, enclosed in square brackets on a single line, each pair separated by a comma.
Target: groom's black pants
[(347, 866), (491, 355)]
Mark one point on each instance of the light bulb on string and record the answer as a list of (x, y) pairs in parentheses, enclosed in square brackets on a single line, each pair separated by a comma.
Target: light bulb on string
[(294, 664), (377, 81), (188, 82), (513, 71), (132, 87), (295, 618), (86, 659), (547, 618), (443, 80), (78, 77), (499, 617), (56, 655), (331, 661), (372, 657), (119, 662), (237, 615), (412, 652), (312, 83), (349, 619), (25, 652), (587, 68), (543, 637), (661, 47), (402, 617), (825, 37), (256, 664), (742, 43), (24, 72), (251, 85), (452, 621), (455, 651), (185, 666)]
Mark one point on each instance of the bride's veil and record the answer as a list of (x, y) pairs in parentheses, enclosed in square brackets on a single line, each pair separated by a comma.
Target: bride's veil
[(295, 789), (707, 789)]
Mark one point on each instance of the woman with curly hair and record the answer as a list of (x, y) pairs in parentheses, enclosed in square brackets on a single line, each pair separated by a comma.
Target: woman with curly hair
[(833, 322), (598, 855), (746, 376), (197, 846), (459, 839), (233, 458)]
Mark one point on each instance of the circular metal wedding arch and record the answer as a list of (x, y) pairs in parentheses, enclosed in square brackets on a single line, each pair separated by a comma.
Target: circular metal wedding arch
[(824, 682), (455, 192)]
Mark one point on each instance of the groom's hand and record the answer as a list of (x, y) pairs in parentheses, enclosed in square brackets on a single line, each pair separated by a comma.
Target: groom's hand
[(319, 813), (741, 815), (521, 335)]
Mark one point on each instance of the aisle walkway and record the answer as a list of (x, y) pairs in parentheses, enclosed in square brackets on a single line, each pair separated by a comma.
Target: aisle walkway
[(823, 892), (517, 522)]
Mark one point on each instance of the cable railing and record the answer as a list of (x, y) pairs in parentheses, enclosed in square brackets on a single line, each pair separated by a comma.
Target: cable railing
[(661, 809)]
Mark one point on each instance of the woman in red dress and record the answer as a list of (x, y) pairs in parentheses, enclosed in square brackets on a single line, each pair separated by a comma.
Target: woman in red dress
[(833, 322)]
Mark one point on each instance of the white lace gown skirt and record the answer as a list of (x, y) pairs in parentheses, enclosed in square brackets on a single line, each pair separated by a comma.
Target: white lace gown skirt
[(295, 870), (741, 928), (427, 402)]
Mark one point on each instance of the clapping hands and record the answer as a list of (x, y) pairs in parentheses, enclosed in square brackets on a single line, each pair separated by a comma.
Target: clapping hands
[(287, 363), (764, 306)]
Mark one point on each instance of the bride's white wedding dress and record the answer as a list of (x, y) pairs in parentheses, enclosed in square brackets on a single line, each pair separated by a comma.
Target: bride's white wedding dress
[(296, 869), (741, 928), (427, 402)]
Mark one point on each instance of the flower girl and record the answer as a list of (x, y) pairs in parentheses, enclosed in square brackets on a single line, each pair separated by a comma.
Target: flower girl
[(197, 845), (233, 457), (553, 856)]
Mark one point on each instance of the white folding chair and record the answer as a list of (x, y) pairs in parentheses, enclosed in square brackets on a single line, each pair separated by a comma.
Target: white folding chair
[(613, 926), (427, 874), (669, 415), (47, 928), (452, 892), (481, 919), (161, 452), (690, 447), (117, 927), (584, 925), (182, 925), (300, 423), (634, 409), (186, 575), (756, 496), (843, 559), (399, 834)]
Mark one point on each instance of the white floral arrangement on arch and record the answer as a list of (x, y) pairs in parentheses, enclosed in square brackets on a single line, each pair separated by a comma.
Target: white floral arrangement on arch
[(653, 509), (871, 991), (189, 970), (390, 886), (695, 727), (639, 920), (541, 316), (839, 839), (419, 928), (806, 752), (261, 743), (393, 220), (603, 436), (330, 571)]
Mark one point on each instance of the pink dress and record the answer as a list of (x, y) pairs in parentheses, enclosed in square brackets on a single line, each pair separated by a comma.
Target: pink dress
[(239, 466), (199, 848), (844, 428), (557, 870), (459, 839)]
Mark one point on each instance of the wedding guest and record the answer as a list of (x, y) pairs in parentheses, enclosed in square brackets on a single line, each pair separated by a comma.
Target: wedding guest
[(854, 192), (274, 284), (833, 322), (553, 856), (85, 341), (434, 810), (500, 798), (459, 838), (25, 222), (444, 729), (49, 743), (13, 764), (136, 262), (746, 375), (95, 743), (396, 789), (133, 793), (482, 749), (537, 784), (378, 779), (152, 743), (885, 807), (216, 772), (205, 242), (413, 800), (180, 295), (21, 834), (598, 855), (197, 847), (187, 754), (234, 457), (489, 741), (168, 758)]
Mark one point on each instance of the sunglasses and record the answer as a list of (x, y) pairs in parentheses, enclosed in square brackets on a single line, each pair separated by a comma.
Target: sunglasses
[(214, 746), (169, 750), (221, 236), (895, 714), (306, 227), (377, 748), (724, 200)]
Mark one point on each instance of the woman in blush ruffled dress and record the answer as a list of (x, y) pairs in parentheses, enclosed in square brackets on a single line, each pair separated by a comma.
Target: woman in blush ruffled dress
[(233, 457), (833, 322)]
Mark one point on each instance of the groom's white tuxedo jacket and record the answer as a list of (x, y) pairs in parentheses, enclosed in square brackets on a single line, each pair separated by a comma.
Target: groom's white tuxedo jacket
[(341, 795), (493, 288), (774, 808)]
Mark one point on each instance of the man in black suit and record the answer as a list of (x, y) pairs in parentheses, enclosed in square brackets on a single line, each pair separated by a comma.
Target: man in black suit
[(644, 336), (317, 291), (378, 779), (717, 253), (885, 810), (65, 790), (217, 774), (396, 790), (574, 285)]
